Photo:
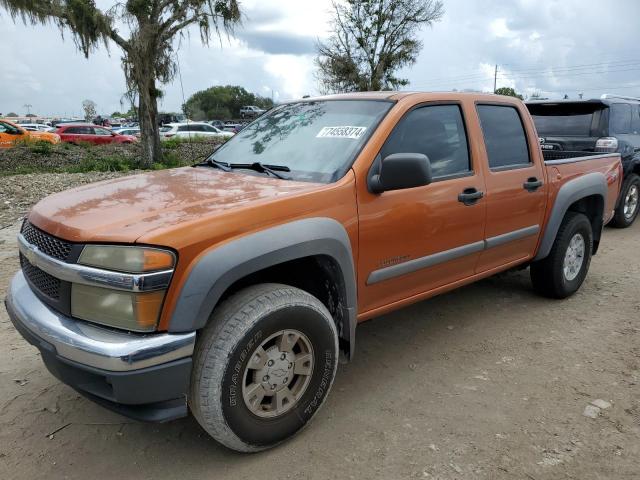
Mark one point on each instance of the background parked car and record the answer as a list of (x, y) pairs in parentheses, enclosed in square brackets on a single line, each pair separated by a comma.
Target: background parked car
[(37, 127), (135, 131), (193, 129), (167, 118), (10, 134), (251, 111), (608, 124), (86, 132)]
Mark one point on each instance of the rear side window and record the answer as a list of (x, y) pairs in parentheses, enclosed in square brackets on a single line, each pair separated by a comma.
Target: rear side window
[(620, 121), (635, 121), (436, 131), (504, 136)]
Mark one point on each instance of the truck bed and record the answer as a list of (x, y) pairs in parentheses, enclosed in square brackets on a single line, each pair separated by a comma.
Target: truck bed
[(565, 165)]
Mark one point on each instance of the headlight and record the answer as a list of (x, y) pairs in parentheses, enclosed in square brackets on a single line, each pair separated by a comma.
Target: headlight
[(135, 311), (126, 259), (132, 311)]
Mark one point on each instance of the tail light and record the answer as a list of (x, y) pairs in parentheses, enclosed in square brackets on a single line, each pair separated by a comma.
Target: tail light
[(607, 144), (169, 135)]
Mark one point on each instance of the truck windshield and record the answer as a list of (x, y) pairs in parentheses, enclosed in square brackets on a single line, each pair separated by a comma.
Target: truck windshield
[(566, 119), (317, 140)]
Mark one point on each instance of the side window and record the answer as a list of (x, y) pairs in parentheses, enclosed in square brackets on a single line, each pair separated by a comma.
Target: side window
[(635, 121), (504, 136), (3, 127), (620, 120), (72, 130), (183, 128), (102, 131), (197, 128), (438, 132)]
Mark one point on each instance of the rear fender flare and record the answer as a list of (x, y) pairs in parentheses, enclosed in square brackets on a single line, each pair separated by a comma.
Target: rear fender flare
[(222, 266), (590, 184)]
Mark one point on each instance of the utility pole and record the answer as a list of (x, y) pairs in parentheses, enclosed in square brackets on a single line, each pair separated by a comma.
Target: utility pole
[(495, 79), (28, 107)]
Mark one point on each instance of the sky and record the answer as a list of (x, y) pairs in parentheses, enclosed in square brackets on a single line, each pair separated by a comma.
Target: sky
[(550, 47)]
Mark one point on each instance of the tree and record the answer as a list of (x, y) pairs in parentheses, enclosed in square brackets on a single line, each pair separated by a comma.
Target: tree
[(370, 41), (89, 107), (508, 91), (147, 53), (12, 114), (222, 102)]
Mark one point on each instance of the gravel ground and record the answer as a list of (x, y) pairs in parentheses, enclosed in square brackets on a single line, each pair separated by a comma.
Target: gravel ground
[(19, 192), (488, 382)]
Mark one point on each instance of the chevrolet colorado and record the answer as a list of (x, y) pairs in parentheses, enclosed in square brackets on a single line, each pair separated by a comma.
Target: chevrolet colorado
[(232, 287)]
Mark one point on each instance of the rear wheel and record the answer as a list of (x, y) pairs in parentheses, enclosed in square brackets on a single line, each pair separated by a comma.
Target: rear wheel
[(562, 272), (263, 366), (629, 207)]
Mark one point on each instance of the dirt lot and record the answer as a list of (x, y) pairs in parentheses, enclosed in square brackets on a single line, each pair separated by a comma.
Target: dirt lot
[(489, 382)]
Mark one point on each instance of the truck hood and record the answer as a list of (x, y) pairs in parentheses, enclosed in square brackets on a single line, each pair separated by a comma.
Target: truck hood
[(123, 209)]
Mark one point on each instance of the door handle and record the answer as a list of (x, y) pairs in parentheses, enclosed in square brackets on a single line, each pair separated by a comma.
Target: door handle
[(532, 184), (470, 196)]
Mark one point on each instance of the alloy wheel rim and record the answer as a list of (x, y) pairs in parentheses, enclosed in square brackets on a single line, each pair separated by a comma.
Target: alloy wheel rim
[(631, 202), (278, 373), (574, 257)]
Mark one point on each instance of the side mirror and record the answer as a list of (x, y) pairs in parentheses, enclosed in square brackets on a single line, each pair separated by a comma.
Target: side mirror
[(401, 170)]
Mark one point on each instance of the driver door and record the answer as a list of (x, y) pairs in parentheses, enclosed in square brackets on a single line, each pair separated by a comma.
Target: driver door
[(419, 239)]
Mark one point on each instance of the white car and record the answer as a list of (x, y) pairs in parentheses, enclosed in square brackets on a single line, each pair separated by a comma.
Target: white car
[(135, 131), (37, 127), (192, 130)]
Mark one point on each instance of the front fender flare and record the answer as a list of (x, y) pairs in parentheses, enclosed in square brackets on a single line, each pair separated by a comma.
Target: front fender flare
[(222, 266)]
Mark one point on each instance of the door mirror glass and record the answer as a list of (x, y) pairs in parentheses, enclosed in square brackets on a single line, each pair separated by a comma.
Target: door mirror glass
[(401, 170)]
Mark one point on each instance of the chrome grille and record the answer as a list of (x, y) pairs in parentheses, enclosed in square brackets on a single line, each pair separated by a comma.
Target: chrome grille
[(47, 244), (45, 283)]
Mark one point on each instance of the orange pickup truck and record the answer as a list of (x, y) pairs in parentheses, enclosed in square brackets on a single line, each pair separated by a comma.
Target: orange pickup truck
[(231, 288)]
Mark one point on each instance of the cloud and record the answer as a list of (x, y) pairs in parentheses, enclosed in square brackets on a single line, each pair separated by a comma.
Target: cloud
[(278, 43), (537, 45)]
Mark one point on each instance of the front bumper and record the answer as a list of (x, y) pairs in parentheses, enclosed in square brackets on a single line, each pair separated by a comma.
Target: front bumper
[(141, 376)]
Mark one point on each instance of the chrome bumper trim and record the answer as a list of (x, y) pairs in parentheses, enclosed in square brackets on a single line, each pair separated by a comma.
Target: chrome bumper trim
[(74, 273), (91, 345)]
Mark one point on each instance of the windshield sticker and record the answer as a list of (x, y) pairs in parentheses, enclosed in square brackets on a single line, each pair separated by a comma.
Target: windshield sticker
[(341, 132)]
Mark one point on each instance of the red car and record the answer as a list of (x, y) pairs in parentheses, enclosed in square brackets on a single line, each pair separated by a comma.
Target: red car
[(86, 132)]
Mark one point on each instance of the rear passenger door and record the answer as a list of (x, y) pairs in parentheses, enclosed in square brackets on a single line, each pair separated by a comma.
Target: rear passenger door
[(516, 194)]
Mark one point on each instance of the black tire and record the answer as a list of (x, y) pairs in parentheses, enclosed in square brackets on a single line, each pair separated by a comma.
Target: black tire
[(548, 275), (620, 218), (225, 347)]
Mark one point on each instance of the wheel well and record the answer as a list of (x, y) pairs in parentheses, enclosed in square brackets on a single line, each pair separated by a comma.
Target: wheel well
[(319, 275), (593, 207)]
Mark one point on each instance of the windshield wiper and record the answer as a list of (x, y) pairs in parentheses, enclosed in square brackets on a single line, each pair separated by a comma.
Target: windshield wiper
[(211, 162), (262, 168)]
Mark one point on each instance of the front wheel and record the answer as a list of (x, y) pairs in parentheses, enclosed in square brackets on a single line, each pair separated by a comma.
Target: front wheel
[(263, 366), (629, 206), (562, 272)]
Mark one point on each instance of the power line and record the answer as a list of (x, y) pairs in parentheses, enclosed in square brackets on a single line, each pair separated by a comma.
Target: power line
[(551, 71)]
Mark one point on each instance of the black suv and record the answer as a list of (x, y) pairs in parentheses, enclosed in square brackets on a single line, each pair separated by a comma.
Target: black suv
[(607, 124)]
